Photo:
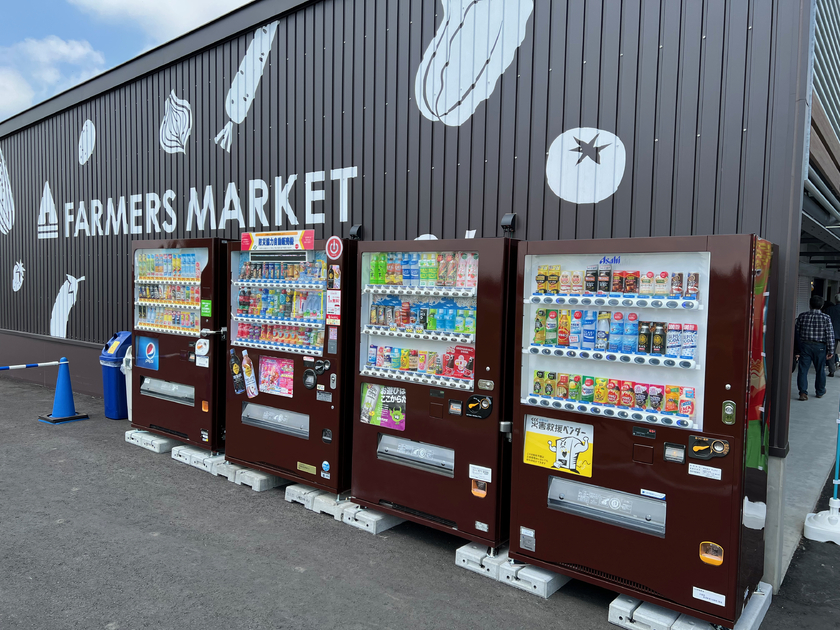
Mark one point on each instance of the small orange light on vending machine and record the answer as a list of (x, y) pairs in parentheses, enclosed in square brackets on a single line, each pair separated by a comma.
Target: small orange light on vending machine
[(479, 488), (711, 553), (205, 406)]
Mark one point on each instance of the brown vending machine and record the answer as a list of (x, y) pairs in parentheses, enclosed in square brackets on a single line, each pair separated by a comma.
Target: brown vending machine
[(289, 393), (178, 340), (639, 434), (429, 440)]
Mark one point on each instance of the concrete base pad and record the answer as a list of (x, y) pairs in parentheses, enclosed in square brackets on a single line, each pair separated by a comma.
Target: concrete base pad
[(498, 567), (151, 441), (257, 480), (369, 520), (318, 501), (197, 458)]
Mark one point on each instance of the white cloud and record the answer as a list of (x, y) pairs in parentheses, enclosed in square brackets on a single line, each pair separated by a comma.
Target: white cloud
[(161, 20), (35, 69)]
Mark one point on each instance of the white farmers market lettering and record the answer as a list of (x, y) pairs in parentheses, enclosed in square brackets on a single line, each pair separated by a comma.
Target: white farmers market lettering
[(256, 204)]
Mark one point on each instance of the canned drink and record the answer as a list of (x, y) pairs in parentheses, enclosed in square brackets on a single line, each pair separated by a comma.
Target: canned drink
[(657, 340), (565, 282), (577, 282), (643, 346), (590, 280), (587, 389), (405, 358), (412, 360), (396, 353), (604, 277), (646, 284), (380, 315), (689, 341), (380, 355), (422, 357), (374, 319), (431, 319), (692, 286), (389, 315), (676, 285), (415, 315), (423, 317), (631, 282), (618, 282), (673, 340), (406, 313), (661, 284)]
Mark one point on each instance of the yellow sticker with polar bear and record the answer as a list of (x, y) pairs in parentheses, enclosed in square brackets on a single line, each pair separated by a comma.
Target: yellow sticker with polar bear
[(559, 445)]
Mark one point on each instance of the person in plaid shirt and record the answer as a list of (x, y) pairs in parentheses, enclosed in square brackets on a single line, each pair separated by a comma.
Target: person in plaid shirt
[(813, 343)]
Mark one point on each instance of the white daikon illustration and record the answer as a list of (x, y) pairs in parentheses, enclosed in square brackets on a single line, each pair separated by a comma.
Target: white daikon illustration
[(64, 302), (475, 43), (7, 203), (242, 90), (177, 124), (87, 142), (47, 216), (17, 276)]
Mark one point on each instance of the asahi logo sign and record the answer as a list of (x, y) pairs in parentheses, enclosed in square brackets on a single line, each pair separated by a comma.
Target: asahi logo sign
[(258, 204)]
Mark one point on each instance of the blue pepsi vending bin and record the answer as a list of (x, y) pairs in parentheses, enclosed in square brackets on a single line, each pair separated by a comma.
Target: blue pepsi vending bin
[(113, 380)]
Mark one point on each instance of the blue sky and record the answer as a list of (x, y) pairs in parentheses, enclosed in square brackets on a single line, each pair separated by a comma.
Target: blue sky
[(48, 46)]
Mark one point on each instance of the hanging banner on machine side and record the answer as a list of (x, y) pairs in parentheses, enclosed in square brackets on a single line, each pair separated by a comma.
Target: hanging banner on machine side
[(295, 240)]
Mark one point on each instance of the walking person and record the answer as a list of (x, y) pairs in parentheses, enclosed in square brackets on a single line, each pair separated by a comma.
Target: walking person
[(813, 343), (833, 311)]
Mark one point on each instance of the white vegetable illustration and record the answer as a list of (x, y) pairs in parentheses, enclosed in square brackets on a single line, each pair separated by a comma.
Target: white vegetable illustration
[(17, 278), (176, 126), (7, 204), (64, 302), (585, 165), (474, 45), (240, 96), (87, 142), (47, 216)]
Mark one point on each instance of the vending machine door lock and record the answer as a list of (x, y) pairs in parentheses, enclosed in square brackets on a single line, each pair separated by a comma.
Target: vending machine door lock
[(729, 408)]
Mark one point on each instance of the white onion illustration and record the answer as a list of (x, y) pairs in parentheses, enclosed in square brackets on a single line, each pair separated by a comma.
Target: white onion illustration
[(7, 204), (87, 142), (176, 126), (64, 302), (474, 45), (240, 96), (585, 165), (17, 277)]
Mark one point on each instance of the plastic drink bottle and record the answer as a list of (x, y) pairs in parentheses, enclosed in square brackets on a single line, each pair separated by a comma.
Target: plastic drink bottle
[(589, 320), (250, 379)]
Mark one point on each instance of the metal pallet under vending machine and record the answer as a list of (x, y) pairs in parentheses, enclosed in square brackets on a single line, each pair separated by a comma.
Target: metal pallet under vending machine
[(640, 442), (430, 443)]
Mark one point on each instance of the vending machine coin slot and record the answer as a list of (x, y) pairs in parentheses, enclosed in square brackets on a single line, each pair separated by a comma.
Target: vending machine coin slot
[(479, 406), (700, 447)]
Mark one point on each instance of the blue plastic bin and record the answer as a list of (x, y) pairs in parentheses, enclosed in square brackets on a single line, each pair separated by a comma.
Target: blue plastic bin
[(113, 380)]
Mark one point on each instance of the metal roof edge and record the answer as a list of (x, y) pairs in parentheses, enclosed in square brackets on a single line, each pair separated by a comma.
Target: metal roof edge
[(221, 29)]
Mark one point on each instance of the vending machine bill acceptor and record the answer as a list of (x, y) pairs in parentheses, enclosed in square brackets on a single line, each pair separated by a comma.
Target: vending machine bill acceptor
[(178, 340), (430, 442), (640, 441), (289, 378)]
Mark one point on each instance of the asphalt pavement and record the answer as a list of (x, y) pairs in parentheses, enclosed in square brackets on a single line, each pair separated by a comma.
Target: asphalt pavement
[(98, 533)]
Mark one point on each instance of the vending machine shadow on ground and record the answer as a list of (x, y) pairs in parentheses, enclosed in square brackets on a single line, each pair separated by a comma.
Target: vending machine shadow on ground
[(430, 441), (177, 384), (640, 441), (289, 378)]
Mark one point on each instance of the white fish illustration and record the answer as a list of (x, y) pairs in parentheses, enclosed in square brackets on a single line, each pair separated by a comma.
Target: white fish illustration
[(17, 277), (176, 126), (7, 204), (64, 302), (474, 45), (87, 142), (47, 216), (585, 165), (242, 90)]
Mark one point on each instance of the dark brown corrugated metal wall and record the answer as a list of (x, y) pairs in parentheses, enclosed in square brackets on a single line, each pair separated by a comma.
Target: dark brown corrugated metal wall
[(703, 95)]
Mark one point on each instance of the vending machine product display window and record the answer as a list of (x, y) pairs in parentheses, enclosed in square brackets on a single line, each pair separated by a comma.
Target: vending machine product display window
[(178, 338), (429, 443), (289, 375), (640, 426)]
